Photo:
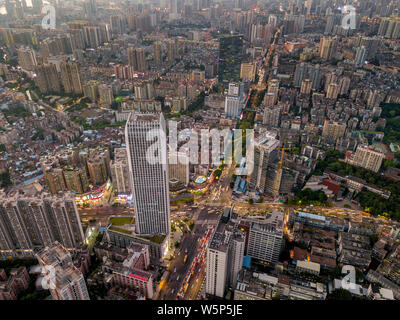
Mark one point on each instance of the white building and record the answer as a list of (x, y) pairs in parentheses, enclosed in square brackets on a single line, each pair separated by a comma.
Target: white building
[(148, 165), (224, 256), (266, 237)]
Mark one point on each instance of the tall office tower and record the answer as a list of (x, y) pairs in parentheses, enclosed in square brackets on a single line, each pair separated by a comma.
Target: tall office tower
[(106, 94), (333, 130), (361, 54), (224, 255), (300, 74), (233, 101), (47, 78), (118, 24), (230, 58), (120, 172), (68, 282), (34, 219), (157, 52), (327, 48), (265, 164), (366, 157), (71, 78), (266, 240), (306, 85), (316, 77), (27, 58), (333, 91), (148, 166), (92, 36), (272, 117), (179, 167), (90, 9), (273, 88)]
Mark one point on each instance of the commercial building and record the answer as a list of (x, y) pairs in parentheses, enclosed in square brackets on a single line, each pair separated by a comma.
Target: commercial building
[(149, 172), (264, 175)]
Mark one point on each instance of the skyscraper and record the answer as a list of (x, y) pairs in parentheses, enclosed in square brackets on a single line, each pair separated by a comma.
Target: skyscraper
[(265, 164), (148, 166)]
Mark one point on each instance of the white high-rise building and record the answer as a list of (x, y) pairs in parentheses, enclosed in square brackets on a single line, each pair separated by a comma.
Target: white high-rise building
[(148, 166), (234, 100), (266, 237), (224, 255)]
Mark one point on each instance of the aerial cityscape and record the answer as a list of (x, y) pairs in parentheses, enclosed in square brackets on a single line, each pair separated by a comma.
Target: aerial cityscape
[(212, 150)]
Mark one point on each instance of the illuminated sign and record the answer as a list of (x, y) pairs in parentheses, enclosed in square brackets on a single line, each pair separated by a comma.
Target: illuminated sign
[(135, 276)]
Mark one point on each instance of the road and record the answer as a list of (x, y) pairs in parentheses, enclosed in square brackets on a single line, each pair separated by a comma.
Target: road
[(189, 245)]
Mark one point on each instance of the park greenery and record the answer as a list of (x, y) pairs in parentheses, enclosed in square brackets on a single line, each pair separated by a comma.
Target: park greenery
[(391, 112), (370, 202), (307, 197)]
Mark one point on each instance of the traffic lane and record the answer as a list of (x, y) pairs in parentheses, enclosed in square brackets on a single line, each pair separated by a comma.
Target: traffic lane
[(177, 277)]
